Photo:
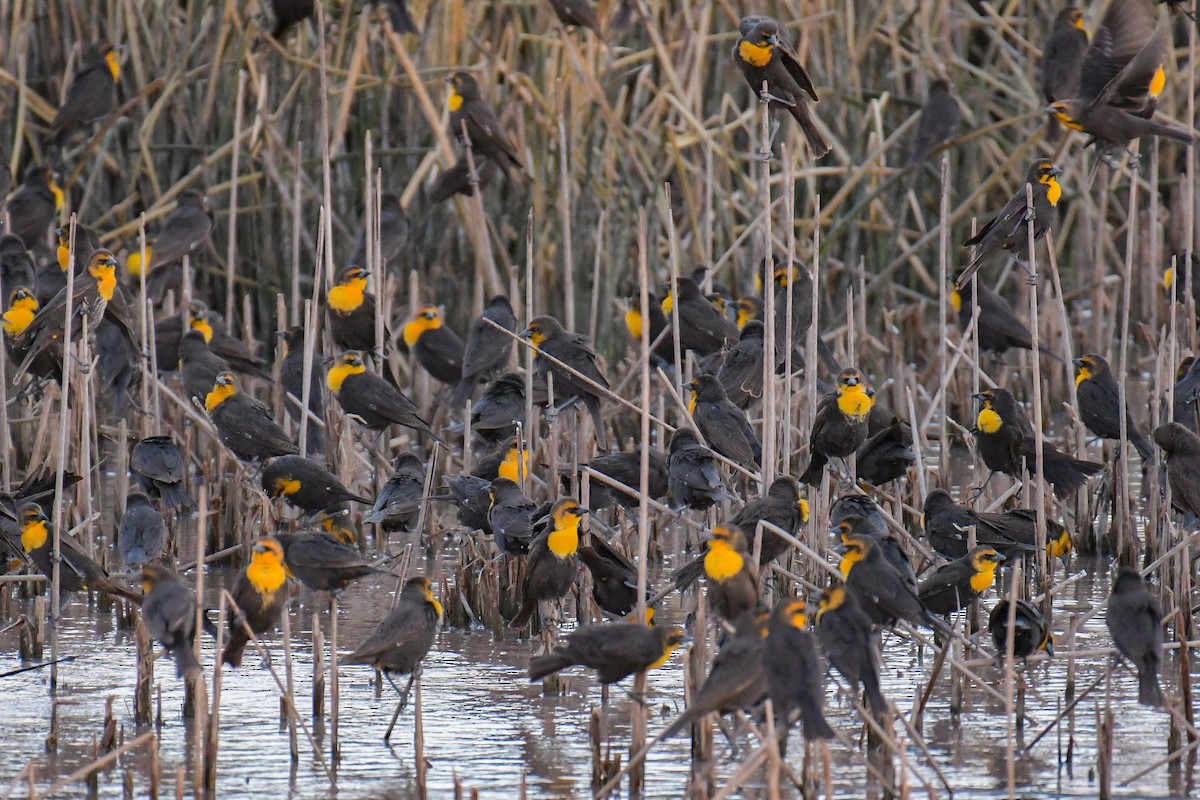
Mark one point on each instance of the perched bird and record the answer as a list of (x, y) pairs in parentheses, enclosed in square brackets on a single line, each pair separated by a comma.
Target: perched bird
[(399, 501), (614, 577), (614, 650), (305, 484), (468, 111), (840, 424), (723, 424), (243, 423), (626, 468), (1009, 230), (487, 350), (1182, 449), (92, 94), (322, 563), (496, 413), (1100, 404), (32, 208), (457, 179), (512, 462), (883, 591), (1186, 409), (1012, 532), (702, 328), (741, 373), (663, 353), (22, 310), (16, 267), (199, 366), (764, 54), (573, 350), (351, 311), (849, 642), (369, 397), (1006, 442), (887, 454), (749, 309), (736, 679), (796, 281), (393, 232), (952, 586), (1134, 621), (239, 355), (142, 532), (185, 230), (552, 563), (77, 572), (437, 348), (404, 637), (400, 17), (288, 13), (732, 579), (998, 327), (1030, 632), (1063, 50), (793, 672), (693, 474), (473, 498), (158, 464), (52, 276), (169, 611), (1122, 74), (260, 594), (849, 506), (577, 14), (783, 507), (510, 517), (938, 123), (291, 372)]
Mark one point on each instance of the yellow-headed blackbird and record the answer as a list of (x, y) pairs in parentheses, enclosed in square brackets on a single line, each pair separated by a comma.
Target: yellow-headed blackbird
[(662, 354), (575, 351), (473, 498), (142, 532), (1009, 230), (1134, 620), (351, 311), (614, 650), (1011, 532), (764, 54), (552, 563), (884, 592), (486, 136), (723, 424), (158, 464), (393, 232), (1179, 281), (577, 14), (1062, 57), (288, 13), (184, 231), (1030, 631), (457, 180), (793, 671), (77, 572), (198, 365), (511, 462), (861, 506), (169, 612), (741, 372), (627, 469), (369, 397), (1186, 409), (260, 592), (399, 501), (510, 516), (783, 507), (119, 365), (702, 328), (1182, 449), (498, 410), (32, 208), (305, 484), (22, 310), (291, 372), (952, 586), (748, 309), (244, 424), (336, 523), (438, 349), (95, 298), (693, 473), (322, 563), (487, 350), (732, 579), (52, 277), (998, 328), (405, 636), (797, 281), (938, 123), (400, 17), (736, 678), (887, 454), (614, 577), (16, 267), (887, 543), (1122, 74), (849, 641), (840, 424), (239, 355), (92, 93), (1006, 443), (1100, 403)]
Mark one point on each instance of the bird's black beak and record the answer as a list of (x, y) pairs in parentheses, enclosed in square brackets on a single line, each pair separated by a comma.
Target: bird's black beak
[(1079, 362), (1055, 172)]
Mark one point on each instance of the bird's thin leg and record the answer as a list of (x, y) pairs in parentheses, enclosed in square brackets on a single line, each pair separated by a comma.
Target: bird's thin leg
[(403, 700), (975, 493)]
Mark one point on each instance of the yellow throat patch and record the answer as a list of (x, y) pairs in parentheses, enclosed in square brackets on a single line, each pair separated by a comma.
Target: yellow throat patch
[(754, 54), (722, 562), (1084, 374), (988, 420), (266, 573), (1053, 189), (512, 469), (633, 322), (347, 297), (855, 403), (339, 372), (456, 101), (114, 65), (218, 395), (34, 535)]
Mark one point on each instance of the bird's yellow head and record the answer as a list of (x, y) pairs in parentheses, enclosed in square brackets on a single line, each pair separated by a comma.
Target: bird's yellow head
[(462, 89), (1158, 82), (63, 252), (338, 526), (350, 290), (747, 309), (668, 303), (725, 557), (802, 504), (22, 308), (832, 598), (854, 548), (634, 323), (426, 588), (1047, 175), (427, 318), (536, 333), (52, 178), (515, 464), (112, 59), (795, 612), (35, 527), (855, 397), (265, 571), (672, 639), (1085, 367), (989, 420), (718, 302), (984, 560), (1061, 110), (564, 538), (349, 363), (1075, 17), (1059, 546), (103, 267), (224, 388), (152, 575), (758, 46)]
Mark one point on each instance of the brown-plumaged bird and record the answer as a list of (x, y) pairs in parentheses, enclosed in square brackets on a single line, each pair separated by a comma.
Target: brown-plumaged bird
[(723, 424), (998, 328), (1030, 632), (305, 484), (158, 464), (92, 93), (693, 472), (732, 579), (288, 13), (1012, 532), (741, 371), (169, 612), (952, 586), (260, 592), (840, 424), (938, 123), (1009, 230), (552, 563), (291, 372), (501, 407), (198, 365), (887, 453), (615, 650), (1006, 442), (793, 672), (1062, 57), (614, 577), (577, 14), (884, 592), (372, 399), (1182, 449), (764, 53), (16, 267), (573, 350), (393, 233), (323, 563), (52, 276), (438, 349), (487, 350), (1100, 403), (31, 209), (626, 468), (487, 137), (243, 423), (783, 507), (702, 328), (1134, 620), (794, 280), (399, 500), (849, 641), (351, 311), (142, 531), (185, 230), (77, 572), (510, 516)]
